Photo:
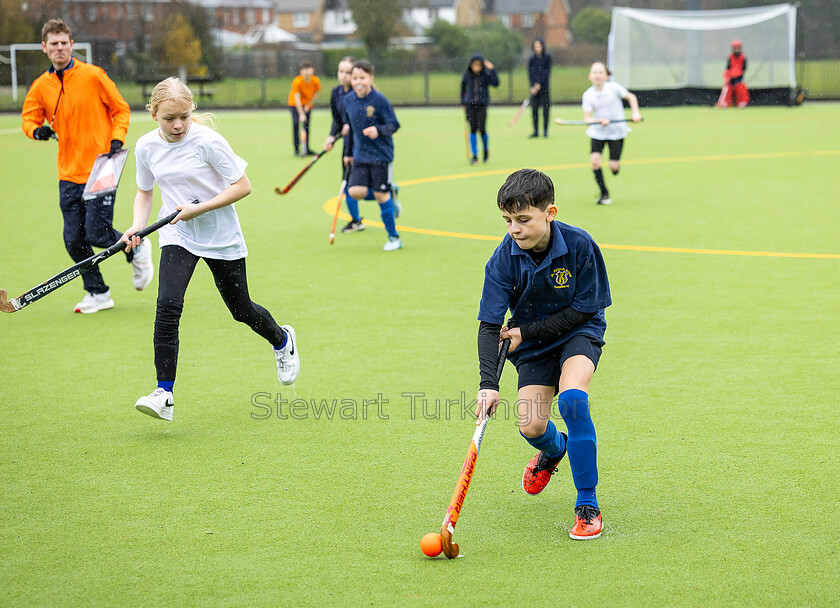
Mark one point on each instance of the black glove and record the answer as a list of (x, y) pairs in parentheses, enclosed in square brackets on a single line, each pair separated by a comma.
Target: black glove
[(43, 133), (116, 146)]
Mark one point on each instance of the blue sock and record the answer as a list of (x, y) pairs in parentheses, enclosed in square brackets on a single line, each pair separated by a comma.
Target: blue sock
[(582, 448), (474, 144), (551, 442), (586, 496), (166, 385), (370, 196), (285, 339), (352, 206), (484, 140), (386, 210)]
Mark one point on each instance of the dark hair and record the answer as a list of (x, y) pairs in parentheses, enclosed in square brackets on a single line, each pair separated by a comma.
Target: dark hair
[(364, 65), (305, 65), (526, 188), (55, 26)]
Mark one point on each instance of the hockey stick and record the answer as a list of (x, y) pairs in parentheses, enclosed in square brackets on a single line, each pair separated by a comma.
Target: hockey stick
[(451, 549), (338, 204), (521, 109), (300, 174), (65, 276), (560, 121)]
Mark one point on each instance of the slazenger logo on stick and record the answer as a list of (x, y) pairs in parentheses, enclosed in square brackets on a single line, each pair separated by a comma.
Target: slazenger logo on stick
[(50, 286)]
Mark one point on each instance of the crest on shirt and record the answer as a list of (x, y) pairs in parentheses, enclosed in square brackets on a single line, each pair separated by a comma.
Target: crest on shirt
[(561, 278), (369, 110)]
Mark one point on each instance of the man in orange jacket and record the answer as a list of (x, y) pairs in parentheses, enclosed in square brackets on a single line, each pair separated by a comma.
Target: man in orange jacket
[(88, 116)]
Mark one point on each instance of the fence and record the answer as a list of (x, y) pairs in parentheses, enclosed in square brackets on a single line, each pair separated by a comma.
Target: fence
[(252, 80)]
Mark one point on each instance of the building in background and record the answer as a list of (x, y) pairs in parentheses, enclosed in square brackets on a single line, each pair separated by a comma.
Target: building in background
[(546, 19)]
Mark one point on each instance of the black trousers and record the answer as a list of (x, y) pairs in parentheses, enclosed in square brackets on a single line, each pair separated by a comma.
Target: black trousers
[(477, 117), (87, 224), (540, 100), (176, 269), (296, 129)]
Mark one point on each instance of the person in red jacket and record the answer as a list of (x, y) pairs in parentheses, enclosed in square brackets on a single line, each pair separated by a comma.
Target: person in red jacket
[(736, 65), (88, 116)]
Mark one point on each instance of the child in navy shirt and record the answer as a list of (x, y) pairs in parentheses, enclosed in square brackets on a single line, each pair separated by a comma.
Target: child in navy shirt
[(479, 76), (369, 117), (552, 278)]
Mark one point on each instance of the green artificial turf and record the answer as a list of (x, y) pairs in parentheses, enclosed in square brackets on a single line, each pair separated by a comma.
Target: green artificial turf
[(715, 401)]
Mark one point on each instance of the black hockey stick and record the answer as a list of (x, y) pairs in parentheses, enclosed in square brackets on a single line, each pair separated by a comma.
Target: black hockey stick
[(65, 276)]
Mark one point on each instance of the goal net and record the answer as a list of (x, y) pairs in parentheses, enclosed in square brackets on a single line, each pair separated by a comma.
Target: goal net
[(680, 56)]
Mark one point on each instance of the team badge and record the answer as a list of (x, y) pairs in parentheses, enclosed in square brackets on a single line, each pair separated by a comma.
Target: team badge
[(369, 110), (561, 278)]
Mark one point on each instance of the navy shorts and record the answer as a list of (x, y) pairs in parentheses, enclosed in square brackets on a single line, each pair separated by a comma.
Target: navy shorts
[(371, 175), (615, 145), (545, 371)]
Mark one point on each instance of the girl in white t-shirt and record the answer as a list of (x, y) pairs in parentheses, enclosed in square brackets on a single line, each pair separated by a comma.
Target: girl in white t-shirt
[(602, 103), (191, 163)]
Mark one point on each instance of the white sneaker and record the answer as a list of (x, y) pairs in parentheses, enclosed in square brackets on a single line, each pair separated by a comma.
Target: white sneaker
[(393, 244), (605, 200), (141, 263), (288, 359), (94, 302), (159, 404)]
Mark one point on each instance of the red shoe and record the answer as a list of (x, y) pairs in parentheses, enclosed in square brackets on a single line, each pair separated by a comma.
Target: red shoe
[(539, 471), (587, 523)]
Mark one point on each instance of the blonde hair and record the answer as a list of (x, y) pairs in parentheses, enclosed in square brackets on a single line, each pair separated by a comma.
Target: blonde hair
[(172, 89)]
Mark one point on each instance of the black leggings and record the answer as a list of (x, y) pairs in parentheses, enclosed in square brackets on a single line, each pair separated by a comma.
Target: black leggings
[(540, 100), (477, 117), (296, 129), (176, 269)]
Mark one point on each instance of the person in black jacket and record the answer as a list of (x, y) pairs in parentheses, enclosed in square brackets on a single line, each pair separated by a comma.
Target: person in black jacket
[(539, 74), (475, 97)]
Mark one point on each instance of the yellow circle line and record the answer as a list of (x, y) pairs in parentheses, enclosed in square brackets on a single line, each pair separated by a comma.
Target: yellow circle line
[(329, 206)]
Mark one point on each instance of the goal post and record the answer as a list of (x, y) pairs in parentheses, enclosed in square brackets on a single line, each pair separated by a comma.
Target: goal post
[(14, 49), (678, 57)]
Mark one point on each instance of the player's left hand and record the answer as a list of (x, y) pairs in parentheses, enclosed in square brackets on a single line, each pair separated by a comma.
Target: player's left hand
[(636, 117), (515, 335), (488, 65), (371, 132), (187, 212), (116, 146)]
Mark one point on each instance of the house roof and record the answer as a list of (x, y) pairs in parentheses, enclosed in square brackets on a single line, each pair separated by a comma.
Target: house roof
[(297, 6), (233, 3), (518, 7)]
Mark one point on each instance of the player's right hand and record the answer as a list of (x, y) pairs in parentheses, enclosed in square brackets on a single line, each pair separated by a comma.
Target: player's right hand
[(129, 239), (328, 144), (43, 133), (486, 403)]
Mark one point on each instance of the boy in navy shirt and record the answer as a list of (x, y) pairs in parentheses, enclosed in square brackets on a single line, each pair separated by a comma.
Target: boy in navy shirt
[(369, 117), (552, 278), (345, 69)]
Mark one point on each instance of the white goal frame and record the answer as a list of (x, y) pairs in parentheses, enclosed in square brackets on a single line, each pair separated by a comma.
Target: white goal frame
[(13, 49)]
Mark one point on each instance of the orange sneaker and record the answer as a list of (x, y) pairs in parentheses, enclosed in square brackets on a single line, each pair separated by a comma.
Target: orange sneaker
[(539, 470), (587, 523)]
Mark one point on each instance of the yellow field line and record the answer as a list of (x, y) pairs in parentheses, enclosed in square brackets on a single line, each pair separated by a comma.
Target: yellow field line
[(643, 161), (329, 206)]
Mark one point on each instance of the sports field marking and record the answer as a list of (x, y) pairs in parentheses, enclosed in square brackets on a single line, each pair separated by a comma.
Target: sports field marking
[(329, 205), (10, 131)]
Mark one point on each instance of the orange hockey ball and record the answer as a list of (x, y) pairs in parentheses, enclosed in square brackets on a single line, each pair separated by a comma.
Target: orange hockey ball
[(430, 544)]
